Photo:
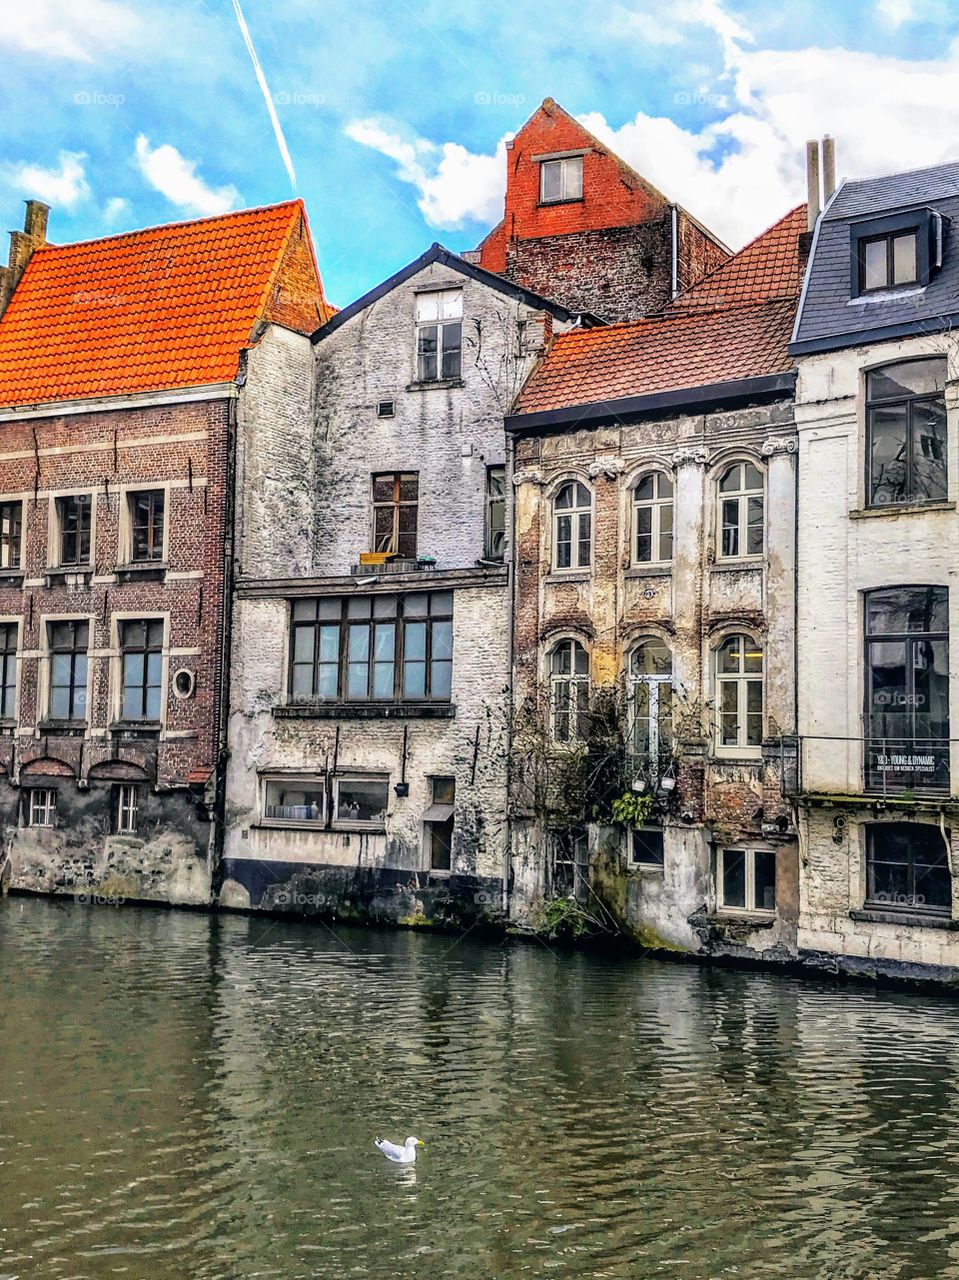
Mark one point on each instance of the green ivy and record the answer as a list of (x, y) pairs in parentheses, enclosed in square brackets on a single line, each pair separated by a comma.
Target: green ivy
[(632, 809)]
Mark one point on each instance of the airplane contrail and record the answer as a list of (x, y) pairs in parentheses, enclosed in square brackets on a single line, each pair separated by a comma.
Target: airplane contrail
[(261, 78)]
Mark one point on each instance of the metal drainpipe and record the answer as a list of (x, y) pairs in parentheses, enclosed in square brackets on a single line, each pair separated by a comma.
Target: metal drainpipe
[(510, 617), (226, 643)]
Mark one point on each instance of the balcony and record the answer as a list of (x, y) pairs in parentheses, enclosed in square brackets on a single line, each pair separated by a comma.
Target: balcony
[(878, 768)]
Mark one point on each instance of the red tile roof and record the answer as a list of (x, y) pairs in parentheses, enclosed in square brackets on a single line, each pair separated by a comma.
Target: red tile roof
[(735, 323), (164, 308)]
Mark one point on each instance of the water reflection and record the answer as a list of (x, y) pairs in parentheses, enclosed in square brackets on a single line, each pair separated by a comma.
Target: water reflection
[(190, 1096)]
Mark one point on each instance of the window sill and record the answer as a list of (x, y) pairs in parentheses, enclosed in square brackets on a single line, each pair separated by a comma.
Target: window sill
[(736, 562), (548, 204), (68, 728), (754, 755), (11, 575), (649, 571), (557, 576), (899, 509), (755, 919), (145, 569), (136, 728), (365, 711), (912, 919), (271, 824), (60, 573), (435, 384), (889, 293), (647, 868)]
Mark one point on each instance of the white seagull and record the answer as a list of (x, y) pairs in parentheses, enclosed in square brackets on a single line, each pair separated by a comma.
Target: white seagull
[(406, 1154)]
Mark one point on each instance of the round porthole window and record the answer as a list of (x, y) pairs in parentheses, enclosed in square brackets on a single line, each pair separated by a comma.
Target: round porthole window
[(184, 683)]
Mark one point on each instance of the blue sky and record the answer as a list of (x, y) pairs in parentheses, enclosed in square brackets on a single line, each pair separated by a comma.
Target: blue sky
[(123, 113)]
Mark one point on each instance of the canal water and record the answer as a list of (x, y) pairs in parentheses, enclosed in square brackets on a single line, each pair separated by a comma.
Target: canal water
[(187, 1096)]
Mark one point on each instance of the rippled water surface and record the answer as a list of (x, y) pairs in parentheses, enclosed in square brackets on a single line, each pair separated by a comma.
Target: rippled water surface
[(183, 1096)]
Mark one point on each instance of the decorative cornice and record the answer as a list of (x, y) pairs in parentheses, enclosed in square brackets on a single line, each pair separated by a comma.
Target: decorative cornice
[(691, 454), (608, 467), (529, 477), (771, 447)]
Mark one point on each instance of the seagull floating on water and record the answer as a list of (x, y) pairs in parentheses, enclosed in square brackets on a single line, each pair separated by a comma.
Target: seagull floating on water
[(406, 1154)]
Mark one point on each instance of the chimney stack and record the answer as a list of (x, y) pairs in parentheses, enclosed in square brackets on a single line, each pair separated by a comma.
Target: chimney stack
[(820, 162), (22, 245)]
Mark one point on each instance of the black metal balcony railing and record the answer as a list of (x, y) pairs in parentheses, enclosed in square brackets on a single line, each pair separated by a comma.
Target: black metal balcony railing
[(881, 767)]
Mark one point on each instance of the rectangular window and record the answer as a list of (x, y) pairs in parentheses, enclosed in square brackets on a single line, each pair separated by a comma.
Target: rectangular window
[(569, 862), (646, 848), (68, 643), (495, 513), (41, 807), (439, 823), (360, 802), (561, 179), (11, 534), (906, 433), (746, 880), (141, 645), (295, 801), (395, 506), (74, 525), (373, 648), (8, 669), (439, 335), (147, 513), (126, 809), (907, 867), (887, 262)]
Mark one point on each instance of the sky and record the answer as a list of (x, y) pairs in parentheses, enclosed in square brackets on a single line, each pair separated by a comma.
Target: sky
[(389, 117)]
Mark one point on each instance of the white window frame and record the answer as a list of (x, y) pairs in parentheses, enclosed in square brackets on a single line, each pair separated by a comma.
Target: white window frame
[(357, 824), (45, 674), (655, 505), (741, 749), (654, 684), (570, 178), (741, 496), (575, 514), (18, 623), (575, 680), (53, 530), (652, 867), (315, 782), (750, 908), (21, 498), (454, 303), (42, 805), (116, 664), (128, 808)]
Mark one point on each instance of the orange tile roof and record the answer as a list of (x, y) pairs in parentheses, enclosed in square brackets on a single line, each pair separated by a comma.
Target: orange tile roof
[(164, 308), (736, 323)]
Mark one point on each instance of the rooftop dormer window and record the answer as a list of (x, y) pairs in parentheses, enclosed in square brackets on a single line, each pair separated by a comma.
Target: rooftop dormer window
[(561, 179), (885, 262), (895, 251)]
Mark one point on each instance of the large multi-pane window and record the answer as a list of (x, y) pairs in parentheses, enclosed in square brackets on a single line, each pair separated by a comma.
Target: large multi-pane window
[(360, 801), (739, 695), (395, 505), (569, 692), (651, 700), (293, 801), (906, 433), (572, 526), (907, 867), (147, 509), (141, 647), (740, 511), (439, 335), (74, 528), (68, 643), (373, 648), (907, 688), (495, 513), (8, 669), (11, 534), (653, 519)]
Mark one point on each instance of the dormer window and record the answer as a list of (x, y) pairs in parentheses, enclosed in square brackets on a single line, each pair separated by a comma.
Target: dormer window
[(886, 262), (561, 179)]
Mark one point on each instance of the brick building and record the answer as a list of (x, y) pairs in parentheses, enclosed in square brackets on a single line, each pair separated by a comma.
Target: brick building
[(369, 720), (582, 227), (655, 506), (121, 360)]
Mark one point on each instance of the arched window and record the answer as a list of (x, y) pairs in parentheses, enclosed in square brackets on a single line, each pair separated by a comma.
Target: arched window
[(653, 519), (906, 433), (568, 691), (739, 694), (572, 526), (651, 700), (740, 511)]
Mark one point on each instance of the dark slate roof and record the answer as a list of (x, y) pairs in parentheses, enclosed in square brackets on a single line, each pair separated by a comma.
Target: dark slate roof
[(828, 318)]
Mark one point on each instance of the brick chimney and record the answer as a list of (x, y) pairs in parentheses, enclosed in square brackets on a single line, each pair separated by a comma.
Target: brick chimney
[(22, 245)]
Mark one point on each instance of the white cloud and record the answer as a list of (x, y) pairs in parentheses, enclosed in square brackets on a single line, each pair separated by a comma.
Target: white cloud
[(115, 209), (175, 177), (455, 185), (64, 187), (74, 29), (744, 168)]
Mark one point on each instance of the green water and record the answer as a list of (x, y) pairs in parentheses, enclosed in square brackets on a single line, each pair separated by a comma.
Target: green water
[(184, 1096)]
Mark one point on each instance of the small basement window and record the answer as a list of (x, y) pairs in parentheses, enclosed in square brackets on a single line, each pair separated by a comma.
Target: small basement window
[(385, 408), (646, 848)]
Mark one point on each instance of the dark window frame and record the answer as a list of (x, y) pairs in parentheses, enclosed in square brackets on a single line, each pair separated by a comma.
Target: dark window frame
[(655, 858), (491, 533), (146, 646), (396, 546), (912, 401), (915, 899), (9, 654), (152, 528), (77, 651), (74, 517), (927, 225)]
